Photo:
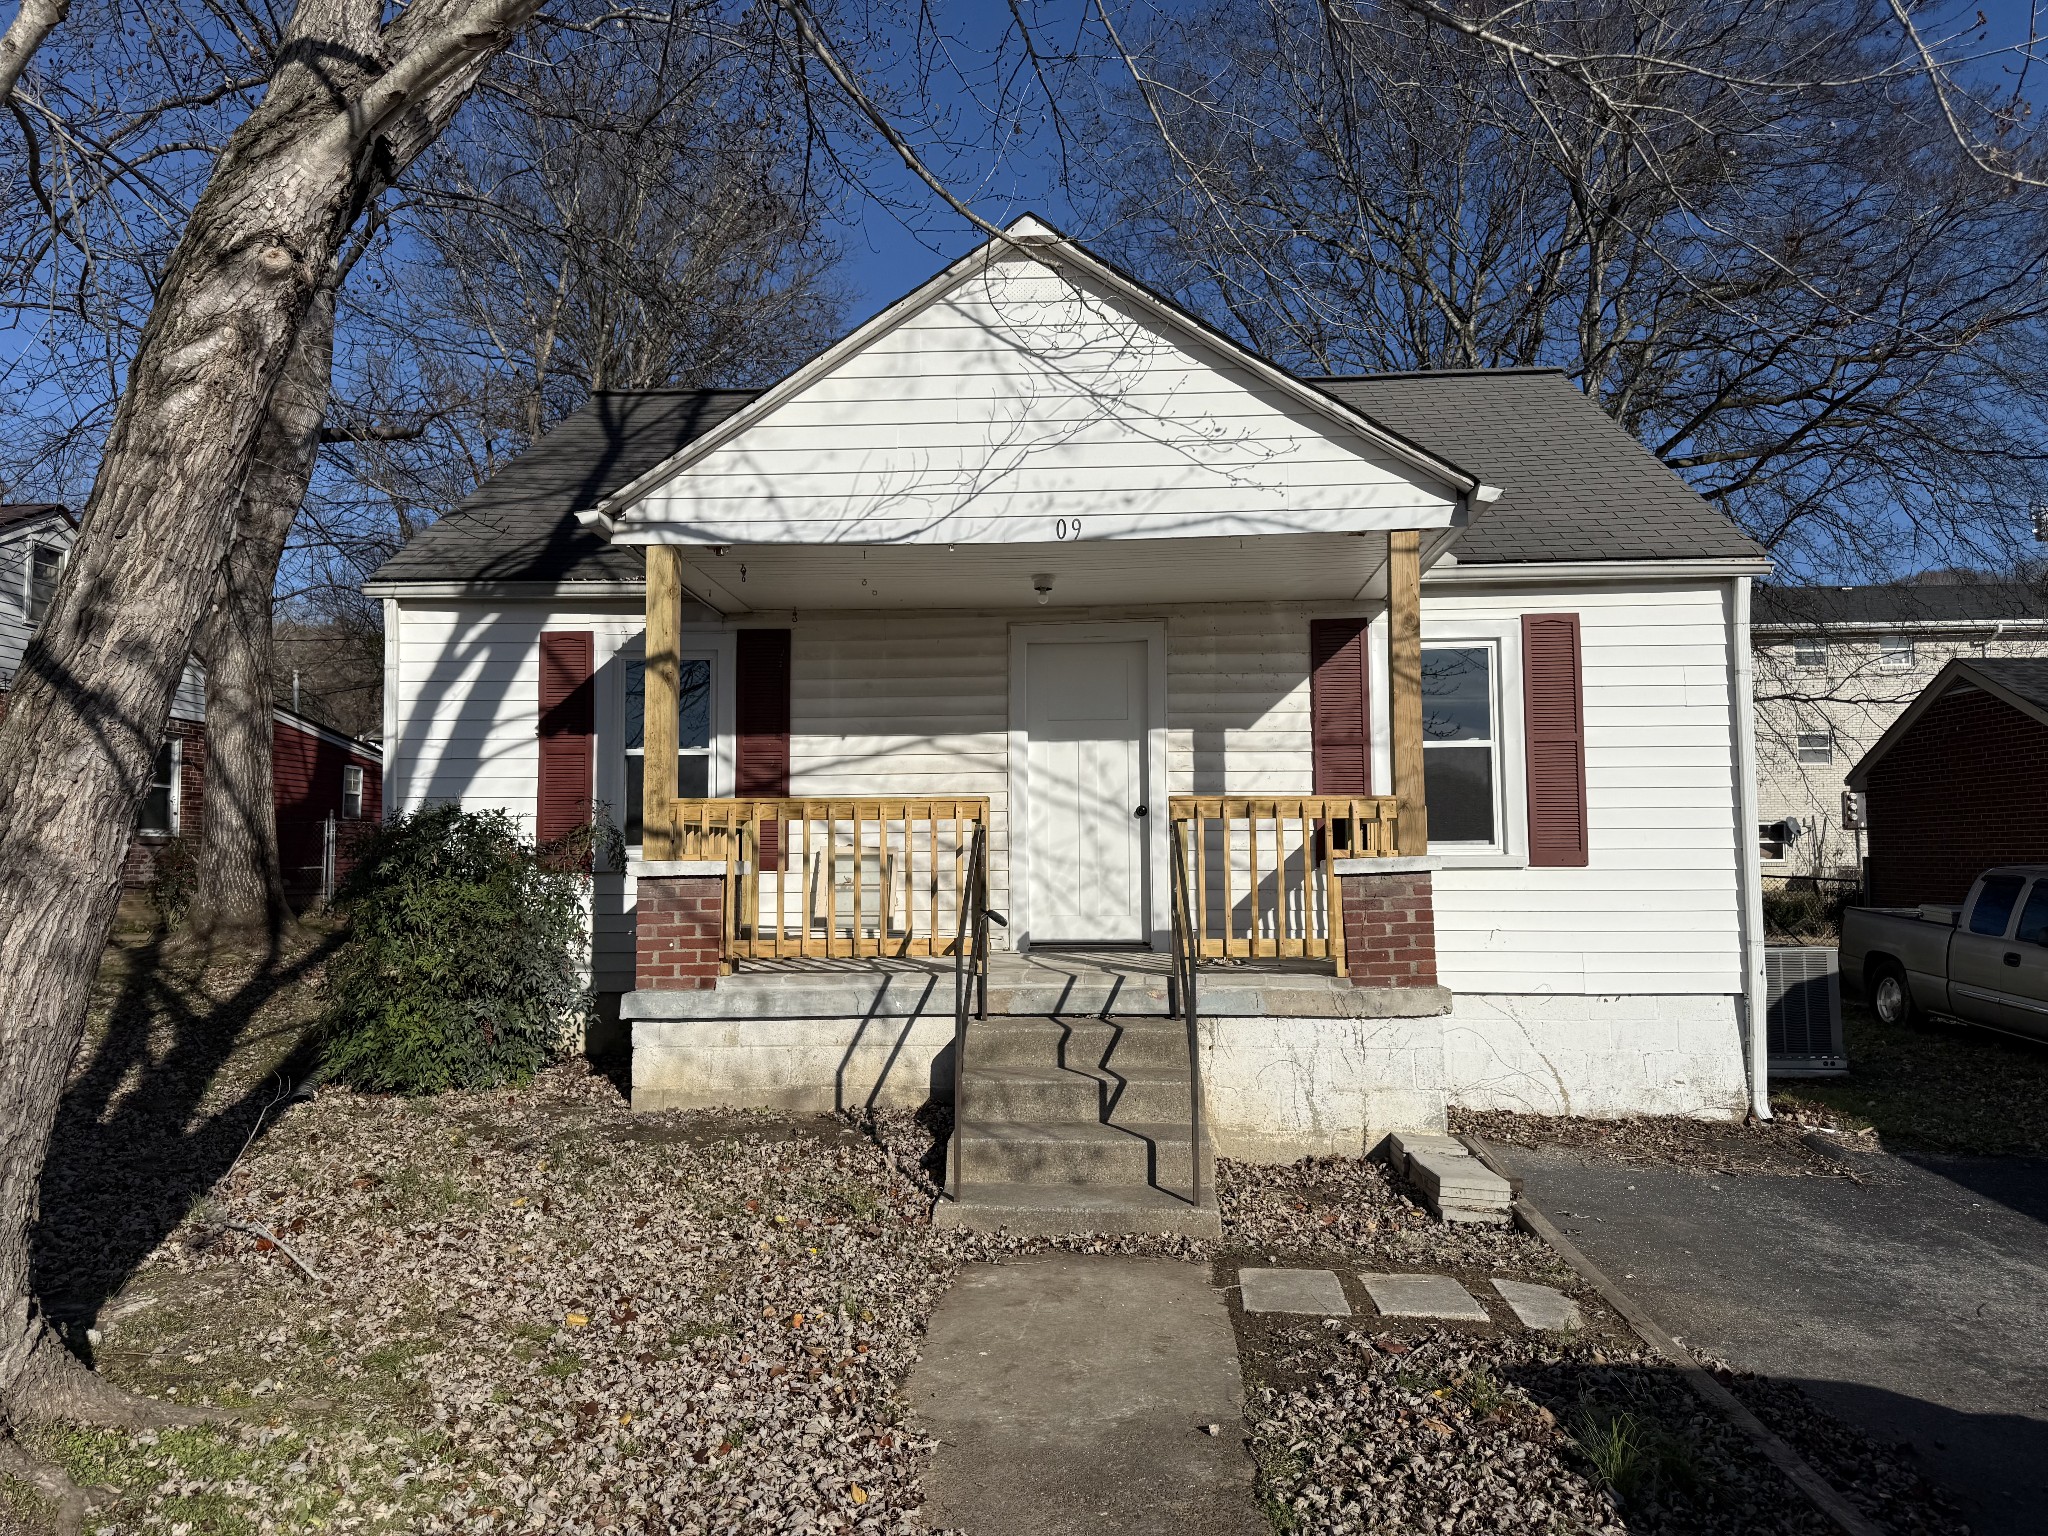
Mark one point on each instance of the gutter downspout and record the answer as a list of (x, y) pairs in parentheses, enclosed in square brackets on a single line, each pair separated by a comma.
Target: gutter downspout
[(1749, 882)]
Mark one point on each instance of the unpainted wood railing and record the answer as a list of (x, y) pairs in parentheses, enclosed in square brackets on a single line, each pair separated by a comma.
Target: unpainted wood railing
[(1261, 869), (837, 878)]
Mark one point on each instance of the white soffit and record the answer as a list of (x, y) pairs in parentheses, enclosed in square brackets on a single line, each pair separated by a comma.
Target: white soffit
[(771, 579), (1031, 395)]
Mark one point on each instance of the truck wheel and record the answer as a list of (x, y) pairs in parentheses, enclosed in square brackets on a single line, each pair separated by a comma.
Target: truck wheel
[(1891, 999)]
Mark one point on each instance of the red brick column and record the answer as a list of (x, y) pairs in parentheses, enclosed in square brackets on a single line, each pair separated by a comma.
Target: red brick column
[(679, 928), (1389, 923)]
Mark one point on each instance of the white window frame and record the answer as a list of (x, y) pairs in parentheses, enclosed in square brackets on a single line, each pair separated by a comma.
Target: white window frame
[(1800, 748), (28, 577), (1510, 847), (698, 642), (177, 788), (1810, 654), (1896, 653), (351, 771)]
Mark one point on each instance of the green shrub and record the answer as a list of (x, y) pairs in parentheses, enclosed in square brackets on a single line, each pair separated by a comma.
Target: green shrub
[(464, 964)]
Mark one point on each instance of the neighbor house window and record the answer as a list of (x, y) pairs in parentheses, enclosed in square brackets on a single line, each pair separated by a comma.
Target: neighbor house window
[(351, 793), (693, 735), (1810, 653), (1896, 653), (1816, 747), (1770, 841), (1460, 744), (160, 804), (44, 562)]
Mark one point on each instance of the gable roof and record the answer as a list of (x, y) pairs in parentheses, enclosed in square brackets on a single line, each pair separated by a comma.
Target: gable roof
[(2021, 682), (1035, 238), (1899, 605), (520, 525), (1575, 484), (21, 514)]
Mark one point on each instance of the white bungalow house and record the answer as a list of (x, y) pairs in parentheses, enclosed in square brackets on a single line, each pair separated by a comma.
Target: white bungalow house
[(1415, 706)]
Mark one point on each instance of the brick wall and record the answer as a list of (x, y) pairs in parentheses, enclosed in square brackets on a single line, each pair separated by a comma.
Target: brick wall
[(679, 923), (1389, 930), (1964, 789)]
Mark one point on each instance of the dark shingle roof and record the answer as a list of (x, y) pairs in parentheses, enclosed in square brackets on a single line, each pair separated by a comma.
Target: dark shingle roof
[(2026, 676), (31, 512), (1899, 603), (1575, 485), (518, 525)]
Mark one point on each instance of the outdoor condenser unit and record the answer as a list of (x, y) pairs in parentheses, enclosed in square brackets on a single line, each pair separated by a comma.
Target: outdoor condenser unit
[(1803, 1011)]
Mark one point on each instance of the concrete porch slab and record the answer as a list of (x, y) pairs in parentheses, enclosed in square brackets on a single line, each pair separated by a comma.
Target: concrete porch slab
[(1055, 1210), (1089, 983)]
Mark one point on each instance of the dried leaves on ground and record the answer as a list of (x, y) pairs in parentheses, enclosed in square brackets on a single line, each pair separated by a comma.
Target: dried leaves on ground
[(1784, 1146), (535, 1310)]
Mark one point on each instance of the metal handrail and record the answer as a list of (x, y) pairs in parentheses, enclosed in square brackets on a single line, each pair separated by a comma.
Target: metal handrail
[(970, 982), (1186, 952)]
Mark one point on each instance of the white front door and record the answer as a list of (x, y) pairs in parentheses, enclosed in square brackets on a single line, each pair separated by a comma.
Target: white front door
[(1085, 715)]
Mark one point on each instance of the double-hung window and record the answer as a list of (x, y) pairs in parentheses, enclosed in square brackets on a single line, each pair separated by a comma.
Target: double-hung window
[(1816, 747), (694, 733), (159, 815), (44, 562), (351, 793), (1810, 654), (1461, 770), (1895, 653)]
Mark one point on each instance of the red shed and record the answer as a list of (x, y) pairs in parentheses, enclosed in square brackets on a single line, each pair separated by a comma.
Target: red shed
[(319, 773), (1959, 783)]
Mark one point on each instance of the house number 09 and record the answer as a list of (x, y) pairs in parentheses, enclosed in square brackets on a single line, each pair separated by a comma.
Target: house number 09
[(1067, 528)]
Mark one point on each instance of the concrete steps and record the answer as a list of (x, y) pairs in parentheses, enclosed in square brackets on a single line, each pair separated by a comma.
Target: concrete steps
[(1077, 1125)]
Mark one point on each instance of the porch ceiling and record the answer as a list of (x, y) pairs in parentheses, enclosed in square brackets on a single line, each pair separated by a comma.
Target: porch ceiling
[(1273, 568)]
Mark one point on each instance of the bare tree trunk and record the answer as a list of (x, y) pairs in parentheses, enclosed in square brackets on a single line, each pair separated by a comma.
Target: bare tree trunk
[(94, 690), (241, 877)]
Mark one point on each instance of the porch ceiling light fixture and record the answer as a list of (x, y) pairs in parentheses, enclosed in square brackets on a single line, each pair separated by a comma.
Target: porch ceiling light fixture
[(1042, 585)]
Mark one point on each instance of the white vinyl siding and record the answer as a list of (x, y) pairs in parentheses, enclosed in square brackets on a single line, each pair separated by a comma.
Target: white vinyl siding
[(1656, 908), (918, 704), (1025, 399)]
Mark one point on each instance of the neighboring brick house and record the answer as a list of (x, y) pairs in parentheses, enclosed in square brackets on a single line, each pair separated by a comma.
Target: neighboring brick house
[(1957, 784), (1835, 667), (317, 771)]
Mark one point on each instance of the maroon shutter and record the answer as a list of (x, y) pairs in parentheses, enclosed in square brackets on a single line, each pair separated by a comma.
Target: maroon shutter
[(1554, 723), (567, 716), (1340, 736), (761, 724)]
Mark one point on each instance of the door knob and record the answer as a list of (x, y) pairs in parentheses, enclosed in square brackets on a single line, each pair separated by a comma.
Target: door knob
[(1141, 810)]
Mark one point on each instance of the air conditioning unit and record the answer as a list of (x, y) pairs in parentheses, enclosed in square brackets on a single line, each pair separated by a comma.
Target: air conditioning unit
[(1803, 1011)]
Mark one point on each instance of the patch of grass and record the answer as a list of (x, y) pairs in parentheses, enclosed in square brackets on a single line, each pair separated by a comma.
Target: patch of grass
[(1939, 1088), (1637, 1458), (1485, 1396), (563, 1365)]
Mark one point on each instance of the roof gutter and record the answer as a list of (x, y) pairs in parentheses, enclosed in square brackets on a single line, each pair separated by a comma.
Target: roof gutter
[(1522, 572)]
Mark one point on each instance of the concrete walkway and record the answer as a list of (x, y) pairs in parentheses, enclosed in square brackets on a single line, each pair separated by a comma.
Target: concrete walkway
[(1067, 1394), (1915, 1306)]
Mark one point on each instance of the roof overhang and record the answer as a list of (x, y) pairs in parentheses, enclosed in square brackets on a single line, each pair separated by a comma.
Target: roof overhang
[(1958, 673), (1553, 572)]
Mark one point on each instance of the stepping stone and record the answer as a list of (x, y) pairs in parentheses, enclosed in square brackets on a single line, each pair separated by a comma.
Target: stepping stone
[(1538, 1306), (1293, 1290), (1422, 1296)]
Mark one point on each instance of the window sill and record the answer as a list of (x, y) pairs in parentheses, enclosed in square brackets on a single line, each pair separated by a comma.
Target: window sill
[(1479, 860)]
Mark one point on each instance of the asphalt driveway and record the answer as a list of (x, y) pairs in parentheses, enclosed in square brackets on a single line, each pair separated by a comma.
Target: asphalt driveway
[(1914, 1305)]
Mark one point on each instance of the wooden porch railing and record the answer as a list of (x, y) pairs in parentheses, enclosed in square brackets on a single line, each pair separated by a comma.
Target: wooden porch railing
[(1261, 875), (836, 878)]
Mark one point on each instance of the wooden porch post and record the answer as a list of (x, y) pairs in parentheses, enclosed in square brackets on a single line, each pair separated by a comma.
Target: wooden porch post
[(1404, 685), (660, 712)]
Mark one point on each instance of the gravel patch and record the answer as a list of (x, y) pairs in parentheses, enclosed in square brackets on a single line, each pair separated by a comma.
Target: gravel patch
[(1774, 1147)]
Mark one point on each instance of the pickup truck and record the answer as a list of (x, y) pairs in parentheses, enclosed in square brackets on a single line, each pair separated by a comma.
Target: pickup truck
[(1984, 962)]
